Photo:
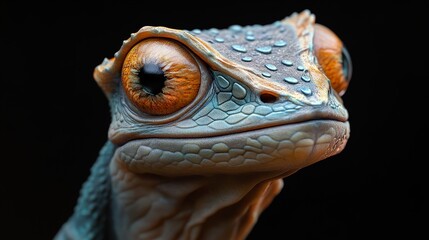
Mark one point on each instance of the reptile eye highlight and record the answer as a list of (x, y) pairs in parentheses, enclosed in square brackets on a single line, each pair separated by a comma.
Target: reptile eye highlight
[(160, 76), (333, 58)]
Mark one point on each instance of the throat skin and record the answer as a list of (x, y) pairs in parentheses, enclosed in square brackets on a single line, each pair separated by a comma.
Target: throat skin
[(147, 206)]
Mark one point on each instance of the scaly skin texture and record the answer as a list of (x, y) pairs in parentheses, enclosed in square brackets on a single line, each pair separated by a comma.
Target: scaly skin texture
[(260, 103)]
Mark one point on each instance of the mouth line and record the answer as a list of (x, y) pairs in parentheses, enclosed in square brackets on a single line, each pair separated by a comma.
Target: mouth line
[(258, 128), (273, 124), (303, 117)]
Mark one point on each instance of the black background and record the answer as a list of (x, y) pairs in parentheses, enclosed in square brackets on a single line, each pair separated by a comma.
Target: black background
[(54, 118)]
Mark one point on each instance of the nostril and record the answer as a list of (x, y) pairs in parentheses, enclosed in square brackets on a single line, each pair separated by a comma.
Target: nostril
[(268, 97)]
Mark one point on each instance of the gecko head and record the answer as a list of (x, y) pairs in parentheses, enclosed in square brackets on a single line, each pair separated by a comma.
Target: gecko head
[(244, 99)]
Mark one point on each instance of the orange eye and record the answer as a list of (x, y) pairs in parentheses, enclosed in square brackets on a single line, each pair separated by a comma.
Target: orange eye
[(160, 76), (333, 57)]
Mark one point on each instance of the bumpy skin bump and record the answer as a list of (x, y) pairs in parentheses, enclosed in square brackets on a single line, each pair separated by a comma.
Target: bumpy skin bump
[(265, 109)]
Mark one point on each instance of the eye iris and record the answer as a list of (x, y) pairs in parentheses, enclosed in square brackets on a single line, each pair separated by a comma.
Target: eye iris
[(152, 79), (333, 58), (160, 76)]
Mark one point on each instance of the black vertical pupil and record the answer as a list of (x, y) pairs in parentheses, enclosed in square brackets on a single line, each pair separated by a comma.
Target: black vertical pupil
[(152, 78)]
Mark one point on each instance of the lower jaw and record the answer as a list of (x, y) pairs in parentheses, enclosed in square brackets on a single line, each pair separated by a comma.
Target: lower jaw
[(280, 149)]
